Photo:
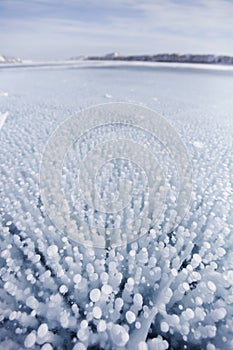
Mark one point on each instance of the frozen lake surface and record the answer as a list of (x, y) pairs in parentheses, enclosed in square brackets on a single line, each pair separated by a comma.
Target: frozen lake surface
[(161, 292)]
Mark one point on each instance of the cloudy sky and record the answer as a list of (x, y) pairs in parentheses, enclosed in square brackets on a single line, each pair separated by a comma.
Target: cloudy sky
[(47, 29)]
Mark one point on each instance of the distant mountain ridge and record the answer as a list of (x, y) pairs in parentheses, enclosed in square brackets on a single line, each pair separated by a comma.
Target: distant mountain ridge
[(175, 58)]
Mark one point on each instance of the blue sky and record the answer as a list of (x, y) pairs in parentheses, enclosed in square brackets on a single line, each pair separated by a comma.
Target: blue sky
[(48, 29)]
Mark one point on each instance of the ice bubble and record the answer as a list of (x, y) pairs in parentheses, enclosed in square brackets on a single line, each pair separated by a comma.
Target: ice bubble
[(77, 278), (138, 300), (164, 327), (33, 313), (210, 347), (30, 340), (52, 250), (184, 287), (101, 327), (90, 269), (174, 272), (84, 324), (199, 313), (130, 281), (32, 302), (198, 144), (97, 313), (152, 262), (95, 295), (158, 344), (209, 331), (64, 319), (13, 315), (219, 314), (10, 287), (143, 256), (185, 329), (211, 286), (119, 335), (196, 260), (188, 314), (132, 253), (112, 266), (142, 345), (42, 330), (104, 277), (119, 303), (198, 301), (106, 289), (130, 317), (47, 346), (229, 276), (79, 346), (83, 334), (63, 289)]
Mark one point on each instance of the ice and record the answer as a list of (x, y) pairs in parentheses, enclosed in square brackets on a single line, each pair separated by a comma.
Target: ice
[(211, 286), (130, 317), (218, 314), (164, 327), (119, 335), (42, 330), (30, 340), (142, 346), (32, 302), (95, 294), (158, 344), (64, 319), (83, 334), (79, 346), (106, 289), (164, 290), (188, 314), (101, 327), (77, 278), (97, 313), (210, 346), (52, 250), (138, 300), (47, 346), (63, 289)]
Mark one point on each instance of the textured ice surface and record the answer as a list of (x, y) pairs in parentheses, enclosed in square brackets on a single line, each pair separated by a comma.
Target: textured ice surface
[(165, 291)]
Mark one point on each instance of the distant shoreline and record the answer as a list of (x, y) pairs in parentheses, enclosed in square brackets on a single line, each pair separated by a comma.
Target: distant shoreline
[(164, 58), (167, 58), (86, 63)]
